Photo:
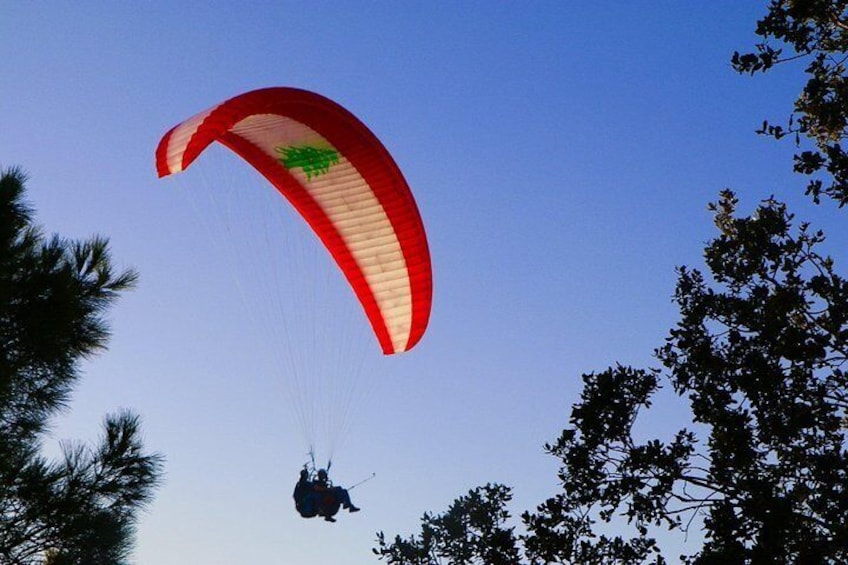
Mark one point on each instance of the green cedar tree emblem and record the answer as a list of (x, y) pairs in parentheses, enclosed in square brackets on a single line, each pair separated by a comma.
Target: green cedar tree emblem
[(313, 161)]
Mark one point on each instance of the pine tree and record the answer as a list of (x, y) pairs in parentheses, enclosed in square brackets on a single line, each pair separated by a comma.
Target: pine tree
[(54, 293)]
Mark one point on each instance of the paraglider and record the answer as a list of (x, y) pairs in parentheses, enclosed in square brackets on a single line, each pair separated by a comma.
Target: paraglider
[(305, 498), (314, 495), (344, 183)]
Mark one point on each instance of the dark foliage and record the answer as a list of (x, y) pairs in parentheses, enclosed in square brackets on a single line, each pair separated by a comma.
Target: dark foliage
[(471, 531), (758, 355), (761, 472), (53, 295), (816, 32)]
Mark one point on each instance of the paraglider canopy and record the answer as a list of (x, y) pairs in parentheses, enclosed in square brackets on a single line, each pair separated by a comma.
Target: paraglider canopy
[(343, 182)]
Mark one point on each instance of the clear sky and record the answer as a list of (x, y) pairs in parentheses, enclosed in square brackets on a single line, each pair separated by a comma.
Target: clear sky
[(562, 155)]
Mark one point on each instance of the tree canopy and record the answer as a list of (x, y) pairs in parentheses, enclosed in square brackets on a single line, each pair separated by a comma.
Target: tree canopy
[(758, 354), (54, 294), (815, 32)]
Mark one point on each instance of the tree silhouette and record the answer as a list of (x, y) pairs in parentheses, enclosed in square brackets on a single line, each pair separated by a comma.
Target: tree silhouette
[(758, 354), (471, 531), (815, 32), (53, 295)]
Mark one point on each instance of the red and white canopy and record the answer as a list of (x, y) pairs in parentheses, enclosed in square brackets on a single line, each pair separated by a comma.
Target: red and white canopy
[(343, 182)]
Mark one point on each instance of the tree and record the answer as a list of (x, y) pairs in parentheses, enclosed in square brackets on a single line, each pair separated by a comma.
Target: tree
[(758, 354), (54, 293), (815, 31), (471, 531)]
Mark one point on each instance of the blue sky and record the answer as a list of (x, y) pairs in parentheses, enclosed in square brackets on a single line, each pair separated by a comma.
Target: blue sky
[(562, 155)]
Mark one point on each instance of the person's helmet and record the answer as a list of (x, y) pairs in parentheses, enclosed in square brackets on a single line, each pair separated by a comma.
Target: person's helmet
[(304, 474), (322, 475)]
